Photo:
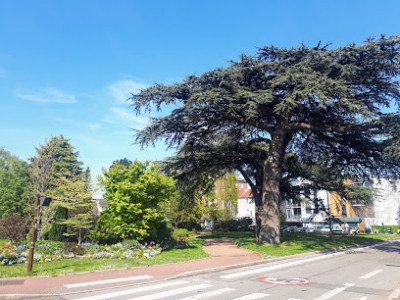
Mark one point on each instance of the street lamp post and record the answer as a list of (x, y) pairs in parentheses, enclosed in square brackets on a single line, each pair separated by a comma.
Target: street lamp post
[(44, 201)]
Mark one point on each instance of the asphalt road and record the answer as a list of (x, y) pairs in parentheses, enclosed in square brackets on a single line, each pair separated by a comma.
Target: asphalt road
[(370, 273)]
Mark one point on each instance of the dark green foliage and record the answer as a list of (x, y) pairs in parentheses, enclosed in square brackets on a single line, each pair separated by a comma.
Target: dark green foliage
[(242, 224), (16, 196), (322, 104), (160, 231), (58, 173), (104, 231), (57, 230)]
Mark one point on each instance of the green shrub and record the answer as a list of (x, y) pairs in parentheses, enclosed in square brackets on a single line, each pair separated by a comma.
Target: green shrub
[(160, 231), (47, 247), (104, 232), (379, 227), (74, 248), (183, 231), (56, 231), (130, 243), (242, 224)]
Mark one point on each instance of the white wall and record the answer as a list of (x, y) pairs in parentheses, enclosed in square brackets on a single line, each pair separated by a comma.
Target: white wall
[(386, 199), (245, 208)]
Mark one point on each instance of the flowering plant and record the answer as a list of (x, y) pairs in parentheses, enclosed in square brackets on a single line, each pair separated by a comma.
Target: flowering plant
[(8, 255)]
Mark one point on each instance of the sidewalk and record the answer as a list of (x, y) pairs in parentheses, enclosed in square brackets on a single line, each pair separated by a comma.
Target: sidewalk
[(223, 252)]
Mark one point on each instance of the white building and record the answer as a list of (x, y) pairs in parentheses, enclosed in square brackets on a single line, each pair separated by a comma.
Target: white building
[(245, 204), (386, 203), (385, 208)]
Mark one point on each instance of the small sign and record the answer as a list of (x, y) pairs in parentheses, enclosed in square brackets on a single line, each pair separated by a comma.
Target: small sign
[(285, 281), (260, 209)]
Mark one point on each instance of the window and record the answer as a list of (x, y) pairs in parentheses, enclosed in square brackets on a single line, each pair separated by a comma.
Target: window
[(297, 212), (308, 210), (288, 213)]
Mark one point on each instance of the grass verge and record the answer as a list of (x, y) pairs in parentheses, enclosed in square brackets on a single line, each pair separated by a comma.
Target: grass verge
[(299, 242), (63, 267)]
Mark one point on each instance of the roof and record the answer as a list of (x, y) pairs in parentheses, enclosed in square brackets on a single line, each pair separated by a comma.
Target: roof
[(244, 193)]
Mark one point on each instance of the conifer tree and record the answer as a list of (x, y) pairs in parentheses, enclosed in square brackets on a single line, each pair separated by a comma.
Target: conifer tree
[(325, 105), (58, 173)]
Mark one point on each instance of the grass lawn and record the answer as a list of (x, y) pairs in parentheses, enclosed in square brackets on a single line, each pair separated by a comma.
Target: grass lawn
[(299, 242), (89, 265)]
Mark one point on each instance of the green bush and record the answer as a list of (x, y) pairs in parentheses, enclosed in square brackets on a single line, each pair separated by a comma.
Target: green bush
[(379, 227), (242, 224), (56, 231), (47, 247), (183, 231), (130, 243), (74, 248), (104, 232), (160, 231)]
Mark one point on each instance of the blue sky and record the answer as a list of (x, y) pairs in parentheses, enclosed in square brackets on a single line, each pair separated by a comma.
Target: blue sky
[(66, 67)]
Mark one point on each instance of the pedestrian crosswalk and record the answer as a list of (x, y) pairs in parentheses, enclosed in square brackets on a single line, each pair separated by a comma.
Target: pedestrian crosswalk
[(177, 289), (108, 281)]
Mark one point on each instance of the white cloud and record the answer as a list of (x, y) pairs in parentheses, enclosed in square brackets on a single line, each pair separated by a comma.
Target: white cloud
[(94, 126), (122, 89), (129, 118), (49, 95)]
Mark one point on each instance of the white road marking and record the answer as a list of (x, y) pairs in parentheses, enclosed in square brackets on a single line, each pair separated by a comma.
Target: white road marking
[(369, 275), (172, 292), (107, 281), (334, 292), (209, 294), (276, 267), (293, 263), (135, 290), (253, 296)]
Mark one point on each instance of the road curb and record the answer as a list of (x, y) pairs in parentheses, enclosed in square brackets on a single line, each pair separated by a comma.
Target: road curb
[(277, 259), (393, 296)]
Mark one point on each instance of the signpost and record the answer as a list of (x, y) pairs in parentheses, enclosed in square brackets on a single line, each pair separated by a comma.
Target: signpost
[(44, 201)]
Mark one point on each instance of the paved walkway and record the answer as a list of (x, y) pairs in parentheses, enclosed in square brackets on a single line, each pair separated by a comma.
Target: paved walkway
[(223, 252)]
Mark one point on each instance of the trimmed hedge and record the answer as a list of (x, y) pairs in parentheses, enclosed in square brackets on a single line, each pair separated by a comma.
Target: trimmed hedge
[(379, 227)]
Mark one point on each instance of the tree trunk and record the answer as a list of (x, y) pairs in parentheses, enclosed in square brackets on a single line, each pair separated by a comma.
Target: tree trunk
[(267, 215)]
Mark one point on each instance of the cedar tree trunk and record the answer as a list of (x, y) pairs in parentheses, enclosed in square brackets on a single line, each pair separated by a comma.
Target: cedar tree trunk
[(267, 215)]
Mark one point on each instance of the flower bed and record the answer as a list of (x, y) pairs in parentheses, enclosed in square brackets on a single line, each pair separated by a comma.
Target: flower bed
[(11, 254), (46, 251)]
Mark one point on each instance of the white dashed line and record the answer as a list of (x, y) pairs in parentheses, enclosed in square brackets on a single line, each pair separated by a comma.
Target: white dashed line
[(135, 290), (369, 275), (89, 283), (334, 292), (253, 296), (209, 294), (172, 292)]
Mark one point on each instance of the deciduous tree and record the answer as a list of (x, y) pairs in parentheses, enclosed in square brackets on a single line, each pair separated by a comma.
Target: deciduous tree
[(15, 186), (136, 193)]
